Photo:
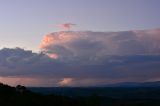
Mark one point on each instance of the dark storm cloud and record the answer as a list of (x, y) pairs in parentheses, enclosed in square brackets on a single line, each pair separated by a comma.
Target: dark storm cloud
[(22, 63)]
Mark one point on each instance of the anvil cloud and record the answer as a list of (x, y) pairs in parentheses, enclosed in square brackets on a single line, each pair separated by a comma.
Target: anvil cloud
[(96, 45)]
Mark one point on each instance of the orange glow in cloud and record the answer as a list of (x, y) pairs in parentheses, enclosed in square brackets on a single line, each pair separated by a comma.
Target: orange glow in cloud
[(66, 81), (47, 40), (56, 38)]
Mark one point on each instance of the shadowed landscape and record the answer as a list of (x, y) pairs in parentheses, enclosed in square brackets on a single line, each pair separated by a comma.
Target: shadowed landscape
[(79, 96)]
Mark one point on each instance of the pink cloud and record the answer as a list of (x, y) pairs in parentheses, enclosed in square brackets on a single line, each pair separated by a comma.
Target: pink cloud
[(53, 56), (66, 26)]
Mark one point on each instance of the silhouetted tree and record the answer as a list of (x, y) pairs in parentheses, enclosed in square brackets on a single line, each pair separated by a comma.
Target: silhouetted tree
[(20, 88)]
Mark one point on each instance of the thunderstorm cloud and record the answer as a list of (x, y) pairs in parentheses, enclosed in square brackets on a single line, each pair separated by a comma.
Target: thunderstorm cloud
[(82, 58)]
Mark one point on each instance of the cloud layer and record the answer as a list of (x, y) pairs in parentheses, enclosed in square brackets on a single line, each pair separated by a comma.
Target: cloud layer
[(85, 58)]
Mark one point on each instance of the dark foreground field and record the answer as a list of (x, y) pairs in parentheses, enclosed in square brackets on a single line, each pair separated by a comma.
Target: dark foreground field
[(91, 96)]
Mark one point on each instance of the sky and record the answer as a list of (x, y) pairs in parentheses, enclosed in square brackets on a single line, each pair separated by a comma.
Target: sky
[(25, 22), (79, 42)]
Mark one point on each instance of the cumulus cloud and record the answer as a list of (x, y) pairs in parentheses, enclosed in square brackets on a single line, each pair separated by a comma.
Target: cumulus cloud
[(85, 58)]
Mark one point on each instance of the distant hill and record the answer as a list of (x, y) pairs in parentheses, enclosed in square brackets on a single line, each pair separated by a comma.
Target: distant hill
[(134, 84)]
